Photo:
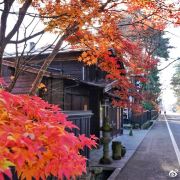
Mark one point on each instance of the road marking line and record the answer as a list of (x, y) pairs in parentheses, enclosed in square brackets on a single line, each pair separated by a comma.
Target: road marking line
[(176, 149)]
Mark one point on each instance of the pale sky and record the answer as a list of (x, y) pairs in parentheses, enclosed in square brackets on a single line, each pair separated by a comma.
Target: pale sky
[(165, 75)]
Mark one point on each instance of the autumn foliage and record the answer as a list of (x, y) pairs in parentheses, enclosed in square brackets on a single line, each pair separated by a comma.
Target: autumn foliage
[(34, 139), (97, 26), (94, 26)]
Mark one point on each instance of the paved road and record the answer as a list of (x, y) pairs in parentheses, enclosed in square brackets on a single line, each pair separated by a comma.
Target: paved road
[(155, 157)]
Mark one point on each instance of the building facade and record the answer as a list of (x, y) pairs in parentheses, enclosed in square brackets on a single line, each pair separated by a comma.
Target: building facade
[(71, 85)]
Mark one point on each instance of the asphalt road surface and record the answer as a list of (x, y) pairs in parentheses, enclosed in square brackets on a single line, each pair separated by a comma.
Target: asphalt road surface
[(158, 156)]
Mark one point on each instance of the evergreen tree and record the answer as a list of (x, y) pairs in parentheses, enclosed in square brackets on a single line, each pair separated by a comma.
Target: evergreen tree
[(158, 45)]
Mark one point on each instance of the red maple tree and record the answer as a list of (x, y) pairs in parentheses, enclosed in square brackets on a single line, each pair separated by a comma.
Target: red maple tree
[(34, 139)]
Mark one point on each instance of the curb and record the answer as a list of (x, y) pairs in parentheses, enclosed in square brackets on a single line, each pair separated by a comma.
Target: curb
[(118, 170)]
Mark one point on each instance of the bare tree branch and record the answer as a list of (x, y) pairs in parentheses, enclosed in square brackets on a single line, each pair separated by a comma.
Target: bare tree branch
[(27, 38), (169, 64), (70, 30), (2, 2), (22, 13)]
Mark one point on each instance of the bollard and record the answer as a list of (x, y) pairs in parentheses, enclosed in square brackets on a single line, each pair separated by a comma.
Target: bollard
[(116, 150)]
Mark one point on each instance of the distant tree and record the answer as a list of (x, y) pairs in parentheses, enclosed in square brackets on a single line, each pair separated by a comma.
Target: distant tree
[(175, 82), (163, 47), (151, 90)]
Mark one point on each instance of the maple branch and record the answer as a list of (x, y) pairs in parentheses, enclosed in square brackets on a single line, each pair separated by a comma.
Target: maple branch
[(166, 19), (36, 15)]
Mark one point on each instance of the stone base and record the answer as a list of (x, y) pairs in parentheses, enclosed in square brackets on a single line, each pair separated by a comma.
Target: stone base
[(85, 176), (104, 160), (116, 157)]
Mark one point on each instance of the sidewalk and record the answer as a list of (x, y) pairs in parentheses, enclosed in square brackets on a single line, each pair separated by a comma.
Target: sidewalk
[(155, 158), (130, 142)]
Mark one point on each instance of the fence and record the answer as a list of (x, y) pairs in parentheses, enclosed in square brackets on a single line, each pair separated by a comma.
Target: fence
[(82, 120), (141, 118), (154, 114)]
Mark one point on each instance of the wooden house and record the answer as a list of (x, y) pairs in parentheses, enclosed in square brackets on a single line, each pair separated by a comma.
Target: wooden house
[(71, 85)]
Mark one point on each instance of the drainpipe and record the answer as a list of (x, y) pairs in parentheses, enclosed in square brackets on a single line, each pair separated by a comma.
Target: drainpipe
[(83, 73)]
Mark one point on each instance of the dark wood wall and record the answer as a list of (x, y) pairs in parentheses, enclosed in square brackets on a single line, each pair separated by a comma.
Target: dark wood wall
[(76, 98), (54, 93), (69, 94), (70, 68), (24, 82), (93, 73)]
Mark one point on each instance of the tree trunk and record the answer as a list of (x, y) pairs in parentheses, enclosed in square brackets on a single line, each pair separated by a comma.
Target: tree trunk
[(3, 22), (72, 29), (12, 84), (45, 65), (1, 59)]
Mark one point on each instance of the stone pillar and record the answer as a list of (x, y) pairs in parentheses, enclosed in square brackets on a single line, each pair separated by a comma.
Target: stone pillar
[(106, 159)]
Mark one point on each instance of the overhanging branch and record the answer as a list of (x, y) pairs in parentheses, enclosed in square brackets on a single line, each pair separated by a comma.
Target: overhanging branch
[(169, 64), (27, 38)]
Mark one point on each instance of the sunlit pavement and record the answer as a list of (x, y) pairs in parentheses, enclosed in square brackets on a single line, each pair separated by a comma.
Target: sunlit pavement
[(130, 142), (156, 158)]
